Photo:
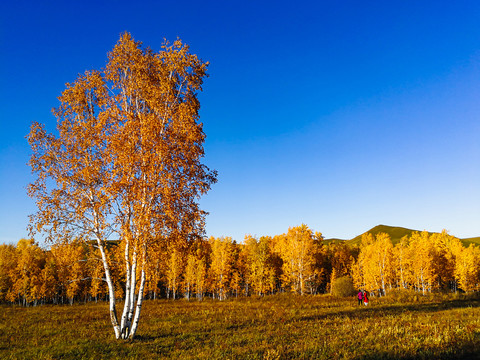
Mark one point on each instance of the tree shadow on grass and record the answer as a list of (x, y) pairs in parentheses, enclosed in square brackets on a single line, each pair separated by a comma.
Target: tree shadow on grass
[(384, 310), (146, 338), (459, 350), (466, 351)]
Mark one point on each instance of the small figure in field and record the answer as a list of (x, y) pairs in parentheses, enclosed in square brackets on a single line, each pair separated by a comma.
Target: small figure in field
[(360, 297), (365, 298)]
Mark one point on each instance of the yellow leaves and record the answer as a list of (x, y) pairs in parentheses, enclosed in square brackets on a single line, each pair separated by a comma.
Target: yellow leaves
[(260, 271), (466, 268), (376, 263), (174, 269), (421, 261), (20, 271), (297, 249), (221, 264), (128, 153)]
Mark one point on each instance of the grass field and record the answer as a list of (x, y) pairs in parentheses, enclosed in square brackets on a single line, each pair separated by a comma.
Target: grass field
[(403, 326)]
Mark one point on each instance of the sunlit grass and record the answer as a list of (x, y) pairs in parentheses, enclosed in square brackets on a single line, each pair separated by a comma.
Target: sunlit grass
[(275, 327)]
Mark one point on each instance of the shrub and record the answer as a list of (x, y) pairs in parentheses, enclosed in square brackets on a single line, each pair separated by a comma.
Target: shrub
[(343, 286)]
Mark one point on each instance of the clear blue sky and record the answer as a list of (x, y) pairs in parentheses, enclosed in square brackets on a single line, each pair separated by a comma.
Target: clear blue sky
[(340, 114)]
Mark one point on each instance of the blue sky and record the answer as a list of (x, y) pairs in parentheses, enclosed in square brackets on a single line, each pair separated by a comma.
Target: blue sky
[(339, 115)]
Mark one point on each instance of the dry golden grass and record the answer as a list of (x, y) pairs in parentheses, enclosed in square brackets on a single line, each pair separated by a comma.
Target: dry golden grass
[(403, 326)]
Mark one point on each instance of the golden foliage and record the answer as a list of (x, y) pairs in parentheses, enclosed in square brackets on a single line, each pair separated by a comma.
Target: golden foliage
[(422, 261), (221, 268), (126, 161)]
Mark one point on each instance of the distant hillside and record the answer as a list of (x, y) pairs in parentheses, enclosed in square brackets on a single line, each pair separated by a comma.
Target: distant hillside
[(468, 241), (396, 233), (334, 241)]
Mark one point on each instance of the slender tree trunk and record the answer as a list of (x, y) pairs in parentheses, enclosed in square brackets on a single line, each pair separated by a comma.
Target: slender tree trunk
[(126, 306), (174, 286), (139, 304), (111, 290), (423, 283), (133, 281)]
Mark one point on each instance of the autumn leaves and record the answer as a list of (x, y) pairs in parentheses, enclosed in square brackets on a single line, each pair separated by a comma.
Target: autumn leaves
[(298, 261), (422, 262), (216, 267)]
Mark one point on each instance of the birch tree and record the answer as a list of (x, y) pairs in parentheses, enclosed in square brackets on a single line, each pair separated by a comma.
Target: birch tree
[(297, 249), (8, 264), (126, 162), (379, 272), (402, 262), (173, 271), (189, 277), (221, 265), (27, 278), (466, 268), (260, 272), (422, 259)]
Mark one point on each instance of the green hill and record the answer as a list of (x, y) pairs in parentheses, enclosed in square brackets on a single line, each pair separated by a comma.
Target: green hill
[(333, 241), (396, 233), (468, 241)]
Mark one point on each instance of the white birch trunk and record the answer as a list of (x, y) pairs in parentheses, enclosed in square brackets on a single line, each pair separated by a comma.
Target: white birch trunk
[(111, 290), (126, 307), (133, 280), (139, 304)]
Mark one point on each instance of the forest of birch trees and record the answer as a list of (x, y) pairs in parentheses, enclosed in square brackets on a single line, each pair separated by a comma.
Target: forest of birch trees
[(298, 261)]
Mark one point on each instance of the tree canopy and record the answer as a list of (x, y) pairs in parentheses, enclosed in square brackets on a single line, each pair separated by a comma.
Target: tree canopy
[(126, 161)]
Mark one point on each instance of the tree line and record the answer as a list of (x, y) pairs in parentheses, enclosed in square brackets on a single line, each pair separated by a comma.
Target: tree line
[(298, 261), (423, 262)]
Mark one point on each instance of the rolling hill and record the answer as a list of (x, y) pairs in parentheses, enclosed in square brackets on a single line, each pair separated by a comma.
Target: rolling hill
[(396, 233)]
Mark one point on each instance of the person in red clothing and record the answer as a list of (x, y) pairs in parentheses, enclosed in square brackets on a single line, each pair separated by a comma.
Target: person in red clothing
[(360, 297), (365, 298)]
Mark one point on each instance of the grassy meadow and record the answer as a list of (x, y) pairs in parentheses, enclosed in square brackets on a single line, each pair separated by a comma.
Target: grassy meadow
[(400, 326)]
